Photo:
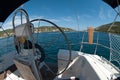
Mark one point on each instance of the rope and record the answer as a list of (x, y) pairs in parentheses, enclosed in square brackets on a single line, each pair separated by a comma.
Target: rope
[(112, 23), (97, 43), (118, 14), (82, 41), (38, 31), (110, 47), (118, 6)]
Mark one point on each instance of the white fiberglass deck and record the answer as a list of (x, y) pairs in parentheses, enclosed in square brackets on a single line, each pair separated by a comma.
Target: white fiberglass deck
[(86, 66), (83, 66)]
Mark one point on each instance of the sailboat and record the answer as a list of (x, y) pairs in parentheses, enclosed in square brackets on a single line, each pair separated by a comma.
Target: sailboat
[(28, 61)]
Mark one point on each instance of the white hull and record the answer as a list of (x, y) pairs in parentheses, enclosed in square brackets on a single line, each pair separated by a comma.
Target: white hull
[(82, 67)]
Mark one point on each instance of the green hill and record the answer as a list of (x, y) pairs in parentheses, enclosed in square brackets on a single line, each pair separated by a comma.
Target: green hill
[(41, 29), (52, 29), (114, 29)]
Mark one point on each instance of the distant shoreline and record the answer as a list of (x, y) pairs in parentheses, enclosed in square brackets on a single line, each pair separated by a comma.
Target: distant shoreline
[(36, 30)]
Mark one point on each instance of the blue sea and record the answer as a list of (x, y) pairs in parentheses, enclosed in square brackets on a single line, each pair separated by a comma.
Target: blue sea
[(53, 41)]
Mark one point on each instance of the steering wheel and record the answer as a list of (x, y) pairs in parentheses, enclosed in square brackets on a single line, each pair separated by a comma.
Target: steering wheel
[(36, 45), (66, 39)]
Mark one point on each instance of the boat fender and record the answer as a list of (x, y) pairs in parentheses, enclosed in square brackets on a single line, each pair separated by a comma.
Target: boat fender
[(28, 45), (42, 52)]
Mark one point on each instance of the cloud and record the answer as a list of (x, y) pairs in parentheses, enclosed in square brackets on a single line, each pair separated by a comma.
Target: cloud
[(36, 17), (8, 23), (67, 19), (101, 14), (53, 20), (106, 14), (61, 20), (86, 16)]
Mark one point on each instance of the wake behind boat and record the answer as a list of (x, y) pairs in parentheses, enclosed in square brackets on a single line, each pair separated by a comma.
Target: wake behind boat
[(28, 61)]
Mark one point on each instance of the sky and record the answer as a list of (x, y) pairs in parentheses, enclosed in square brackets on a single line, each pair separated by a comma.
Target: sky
[(75, 14)]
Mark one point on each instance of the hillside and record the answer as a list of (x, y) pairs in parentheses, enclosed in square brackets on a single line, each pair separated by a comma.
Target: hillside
[(104, 28), (52, 29), (40, 29)]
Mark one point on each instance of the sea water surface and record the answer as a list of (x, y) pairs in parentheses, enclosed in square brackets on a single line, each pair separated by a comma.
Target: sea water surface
[(53, 41)]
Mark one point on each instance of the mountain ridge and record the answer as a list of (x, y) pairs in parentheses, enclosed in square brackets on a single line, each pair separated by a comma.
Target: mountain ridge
[(114, 29), (36, 29)]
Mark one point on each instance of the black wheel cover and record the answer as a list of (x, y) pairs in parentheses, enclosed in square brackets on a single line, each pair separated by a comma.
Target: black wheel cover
[(42, 52)]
